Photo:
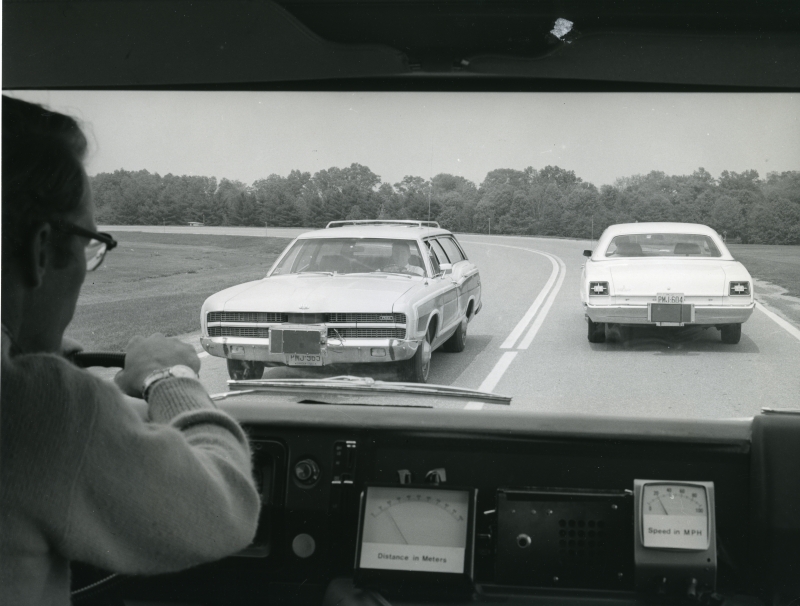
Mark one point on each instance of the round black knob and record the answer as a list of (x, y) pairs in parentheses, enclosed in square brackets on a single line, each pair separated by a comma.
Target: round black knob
[(306, 471)]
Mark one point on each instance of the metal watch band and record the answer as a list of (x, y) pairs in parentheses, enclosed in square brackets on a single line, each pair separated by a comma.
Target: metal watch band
[(179, 370)]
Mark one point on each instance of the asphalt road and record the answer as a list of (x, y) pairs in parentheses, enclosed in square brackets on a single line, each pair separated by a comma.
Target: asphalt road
[(529, 342)]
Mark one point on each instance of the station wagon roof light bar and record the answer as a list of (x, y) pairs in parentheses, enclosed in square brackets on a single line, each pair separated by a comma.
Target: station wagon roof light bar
[(406, 222)]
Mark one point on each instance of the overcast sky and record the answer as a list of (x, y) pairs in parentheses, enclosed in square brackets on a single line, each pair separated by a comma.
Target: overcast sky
[(250, 135)]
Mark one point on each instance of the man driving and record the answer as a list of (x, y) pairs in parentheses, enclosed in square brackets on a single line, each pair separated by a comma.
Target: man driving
[(401, 253), (83, 476)]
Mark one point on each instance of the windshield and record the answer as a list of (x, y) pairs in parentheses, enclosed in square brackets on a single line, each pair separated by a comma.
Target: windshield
[(662, 245), (205, 191), (351, 256)]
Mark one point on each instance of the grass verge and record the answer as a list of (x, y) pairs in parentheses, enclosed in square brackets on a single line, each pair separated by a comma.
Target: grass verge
[(777, 264), (157, 283)]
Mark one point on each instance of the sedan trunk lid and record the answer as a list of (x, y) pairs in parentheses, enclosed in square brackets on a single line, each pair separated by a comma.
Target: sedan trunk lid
[(692, 277)]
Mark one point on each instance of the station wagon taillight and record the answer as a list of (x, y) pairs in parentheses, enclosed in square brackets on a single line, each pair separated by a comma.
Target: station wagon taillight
[(739, 288), (598, 288)]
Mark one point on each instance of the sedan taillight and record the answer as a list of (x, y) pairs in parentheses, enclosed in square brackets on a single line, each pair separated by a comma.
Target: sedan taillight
[(598, 288), (739, 288)]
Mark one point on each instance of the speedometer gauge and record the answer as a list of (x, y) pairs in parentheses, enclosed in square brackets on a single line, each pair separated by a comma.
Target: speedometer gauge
[(675, 548), (674, 516)]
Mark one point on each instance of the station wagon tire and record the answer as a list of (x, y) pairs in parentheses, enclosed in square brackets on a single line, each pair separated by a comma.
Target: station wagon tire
[(240, 370), (731, 333), (458, 341), (597, 331), (417, 369)]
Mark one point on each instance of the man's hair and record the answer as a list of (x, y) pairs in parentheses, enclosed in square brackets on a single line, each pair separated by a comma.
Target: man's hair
[(43, 176)]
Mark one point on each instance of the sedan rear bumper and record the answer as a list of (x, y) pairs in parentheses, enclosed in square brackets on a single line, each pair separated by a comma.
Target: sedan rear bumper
[(352, 351), (637, 314)]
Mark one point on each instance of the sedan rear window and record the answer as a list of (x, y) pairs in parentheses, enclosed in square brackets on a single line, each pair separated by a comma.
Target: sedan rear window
[(663, 245)]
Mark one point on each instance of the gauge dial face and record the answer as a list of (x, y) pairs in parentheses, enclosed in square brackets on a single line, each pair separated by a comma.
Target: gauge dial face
[(421, 529), (675, 516)]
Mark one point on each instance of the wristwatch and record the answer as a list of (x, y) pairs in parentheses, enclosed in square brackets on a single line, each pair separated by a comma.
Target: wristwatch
[(179, 370)]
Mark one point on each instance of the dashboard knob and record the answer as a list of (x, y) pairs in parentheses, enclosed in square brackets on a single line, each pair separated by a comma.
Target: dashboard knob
[(306, 471), (304, 545), (436, 476)]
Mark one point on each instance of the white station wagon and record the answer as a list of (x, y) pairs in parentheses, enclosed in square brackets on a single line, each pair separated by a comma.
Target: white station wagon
[(354, 292), (664, 274)]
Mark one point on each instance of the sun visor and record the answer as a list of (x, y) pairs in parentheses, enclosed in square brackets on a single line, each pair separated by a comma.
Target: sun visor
[(173, 43), (702, 59)]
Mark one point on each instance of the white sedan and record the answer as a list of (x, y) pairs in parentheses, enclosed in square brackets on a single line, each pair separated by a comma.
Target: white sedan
[(355, 292), (664, 274)]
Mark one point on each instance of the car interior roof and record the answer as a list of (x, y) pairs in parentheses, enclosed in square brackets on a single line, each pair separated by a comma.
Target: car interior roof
[(391, 45)]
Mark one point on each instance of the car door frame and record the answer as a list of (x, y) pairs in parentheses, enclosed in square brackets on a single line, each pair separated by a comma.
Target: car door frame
[(468, 285)]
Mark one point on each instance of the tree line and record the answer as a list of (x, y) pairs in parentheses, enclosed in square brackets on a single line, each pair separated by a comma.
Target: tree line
[(550, 201)]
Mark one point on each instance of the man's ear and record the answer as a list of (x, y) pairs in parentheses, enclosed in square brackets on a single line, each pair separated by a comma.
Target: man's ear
[(34, 259)]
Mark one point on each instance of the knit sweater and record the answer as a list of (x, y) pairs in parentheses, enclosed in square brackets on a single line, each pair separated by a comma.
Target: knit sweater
[(83, 477)]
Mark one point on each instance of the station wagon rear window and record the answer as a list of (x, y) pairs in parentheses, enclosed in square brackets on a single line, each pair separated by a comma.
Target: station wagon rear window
[(663, 245)]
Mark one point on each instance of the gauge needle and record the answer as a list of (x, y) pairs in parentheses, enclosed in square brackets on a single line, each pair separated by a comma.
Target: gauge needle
[(666, 513), (391, 517)]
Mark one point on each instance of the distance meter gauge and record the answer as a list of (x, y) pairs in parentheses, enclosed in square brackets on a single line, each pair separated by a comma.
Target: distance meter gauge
[(416, 517), (422, 529)]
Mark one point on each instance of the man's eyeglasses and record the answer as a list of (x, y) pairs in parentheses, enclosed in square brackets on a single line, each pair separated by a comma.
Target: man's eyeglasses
[(99, 244)]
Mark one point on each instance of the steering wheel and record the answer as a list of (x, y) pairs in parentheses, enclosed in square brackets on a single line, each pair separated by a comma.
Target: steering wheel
[(90, 582)]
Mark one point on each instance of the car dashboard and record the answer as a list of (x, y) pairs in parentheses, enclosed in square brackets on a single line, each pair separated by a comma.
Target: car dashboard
[(556, 504)]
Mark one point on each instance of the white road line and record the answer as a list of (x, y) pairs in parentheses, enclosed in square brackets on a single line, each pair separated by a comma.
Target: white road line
[(491, 381), (557, 277), (543, 314), (779, 321), (523, 323), (537, 303)]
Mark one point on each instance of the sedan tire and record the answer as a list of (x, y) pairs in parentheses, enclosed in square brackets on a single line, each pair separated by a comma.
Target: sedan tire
[(597, 331), (240, 370), (731, 333)]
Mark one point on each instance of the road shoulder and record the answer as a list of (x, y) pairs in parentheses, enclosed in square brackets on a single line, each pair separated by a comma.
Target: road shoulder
[(775, 299)]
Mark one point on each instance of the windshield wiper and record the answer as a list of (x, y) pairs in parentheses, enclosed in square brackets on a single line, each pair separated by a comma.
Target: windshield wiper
[(315, 273), (392, 273), (361, 386)]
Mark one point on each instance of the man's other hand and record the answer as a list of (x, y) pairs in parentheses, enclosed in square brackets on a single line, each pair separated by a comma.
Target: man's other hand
[(143, 356)]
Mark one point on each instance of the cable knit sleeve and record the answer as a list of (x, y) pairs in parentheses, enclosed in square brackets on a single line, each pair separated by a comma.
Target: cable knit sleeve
[(159, 496)]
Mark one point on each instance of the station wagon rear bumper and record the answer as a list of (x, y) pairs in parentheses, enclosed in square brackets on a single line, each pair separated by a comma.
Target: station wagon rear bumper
[(637, 314)]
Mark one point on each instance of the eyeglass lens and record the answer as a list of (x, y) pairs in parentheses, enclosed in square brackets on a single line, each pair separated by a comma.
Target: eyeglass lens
[(95, 251)]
